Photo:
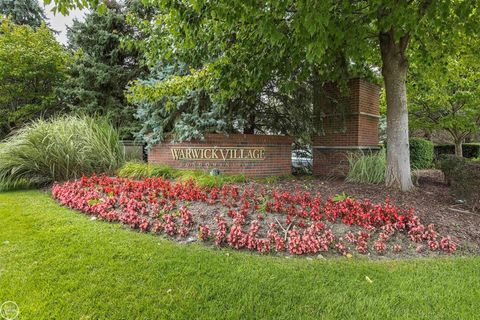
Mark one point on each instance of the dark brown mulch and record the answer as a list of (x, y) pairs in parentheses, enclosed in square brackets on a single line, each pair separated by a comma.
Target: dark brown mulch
[(431, 200)]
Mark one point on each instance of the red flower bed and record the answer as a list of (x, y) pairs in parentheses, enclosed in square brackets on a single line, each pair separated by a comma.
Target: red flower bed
[(253, 218)]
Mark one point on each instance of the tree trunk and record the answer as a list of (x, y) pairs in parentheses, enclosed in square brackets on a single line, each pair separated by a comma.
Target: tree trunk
[(394, 71), (458, 148), (250, 125)]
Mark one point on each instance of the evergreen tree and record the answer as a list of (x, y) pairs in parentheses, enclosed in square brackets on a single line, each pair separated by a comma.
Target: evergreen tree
[(102, 68), (26, 12)]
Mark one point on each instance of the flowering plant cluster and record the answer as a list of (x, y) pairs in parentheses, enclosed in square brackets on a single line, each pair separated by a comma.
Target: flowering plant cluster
[(252, 218)]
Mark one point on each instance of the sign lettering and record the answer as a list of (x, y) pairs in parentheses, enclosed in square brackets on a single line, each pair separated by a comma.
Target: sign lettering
[(218, 153)]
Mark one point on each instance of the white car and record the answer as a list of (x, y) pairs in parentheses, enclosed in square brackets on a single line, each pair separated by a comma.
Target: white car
[(302, 159)]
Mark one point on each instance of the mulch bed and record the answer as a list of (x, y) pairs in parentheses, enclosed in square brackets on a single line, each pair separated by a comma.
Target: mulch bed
[(431, 200), (314, 226)]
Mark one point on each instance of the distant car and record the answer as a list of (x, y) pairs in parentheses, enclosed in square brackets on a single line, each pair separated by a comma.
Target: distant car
[(302, 159)]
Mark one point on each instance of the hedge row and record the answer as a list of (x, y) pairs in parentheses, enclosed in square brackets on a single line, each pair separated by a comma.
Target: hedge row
[(423, 152), (470, 150)]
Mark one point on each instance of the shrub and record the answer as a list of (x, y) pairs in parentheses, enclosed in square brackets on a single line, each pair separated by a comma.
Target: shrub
[(421, 153), (138, 170), (470, 150), (367, 168), (463, 176), (60, 149), (450, 166)]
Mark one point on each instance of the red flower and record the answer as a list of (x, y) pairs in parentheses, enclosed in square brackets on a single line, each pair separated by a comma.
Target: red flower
[(157, 205)]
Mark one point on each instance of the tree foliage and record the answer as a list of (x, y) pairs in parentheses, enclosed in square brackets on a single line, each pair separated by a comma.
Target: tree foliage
[(102, 68), (205, 78), (245, 45), (26, 12), (445, 88), (234, 48), (32, 64)]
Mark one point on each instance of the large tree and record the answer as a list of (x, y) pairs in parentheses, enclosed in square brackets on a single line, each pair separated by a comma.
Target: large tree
[(32, 65), (102, 67), (444, 88), (259, 39), (280, 98), (23, 12)]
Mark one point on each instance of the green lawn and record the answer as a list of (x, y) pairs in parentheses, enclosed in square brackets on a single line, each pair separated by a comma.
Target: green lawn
[(58, 264)]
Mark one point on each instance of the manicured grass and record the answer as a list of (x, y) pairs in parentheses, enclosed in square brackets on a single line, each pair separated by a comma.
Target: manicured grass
[(58, 264)]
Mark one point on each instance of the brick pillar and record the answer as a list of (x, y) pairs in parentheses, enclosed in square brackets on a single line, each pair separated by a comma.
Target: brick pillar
[(349, 124)]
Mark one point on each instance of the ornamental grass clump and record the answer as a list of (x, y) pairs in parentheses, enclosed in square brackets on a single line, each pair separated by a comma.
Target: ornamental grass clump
[(59, 149), (367, 168)]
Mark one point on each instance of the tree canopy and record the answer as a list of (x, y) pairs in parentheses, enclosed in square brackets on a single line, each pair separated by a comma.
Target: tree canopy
[(102, 67), (232, 50), (237, 47), (445, 88), (32, 64), (23, 12)]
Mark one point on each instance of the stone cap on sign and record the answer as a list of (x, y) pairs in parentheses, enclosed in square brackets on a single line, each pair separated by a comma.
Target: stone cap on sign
[(225, 138)]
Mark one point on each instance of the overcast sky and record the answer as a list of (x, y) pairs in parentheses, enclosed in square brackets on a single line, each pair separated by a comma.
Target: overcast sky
[(60, 22)]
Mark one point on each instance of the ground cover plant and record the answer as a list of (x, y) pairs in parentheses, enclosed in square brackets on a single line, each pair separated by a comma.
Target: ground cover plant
[(138, 170), (59, 149), (255, 218)]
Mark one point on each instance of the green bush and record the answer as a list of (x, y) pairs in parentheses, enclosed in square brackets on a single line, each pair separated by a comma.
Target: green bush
[(421, 153), (138, 170), (469, 150), (367, 168), (463, 176), (450, 166), (60, 149)]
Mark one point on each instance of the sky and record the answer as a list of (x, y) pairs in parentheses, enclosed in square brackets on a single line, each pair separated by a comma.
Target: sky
[(60, 22)]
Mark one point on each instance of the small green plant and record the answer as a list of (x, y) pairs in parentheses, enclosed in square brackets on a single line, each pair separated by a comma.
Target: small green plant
[(59, 149), (19, 185), (367, 168), (276, 179), (341, 197)]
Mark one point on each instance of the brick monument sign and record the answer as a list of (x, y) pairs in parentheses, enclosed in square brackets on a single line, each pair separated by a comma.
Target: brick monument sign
[(249, 154), (348, 124)]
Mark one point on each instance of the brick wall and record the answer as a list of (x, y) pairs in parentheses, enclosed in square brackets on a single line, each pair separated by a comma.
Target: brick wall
[(276, 162), (350, 124)]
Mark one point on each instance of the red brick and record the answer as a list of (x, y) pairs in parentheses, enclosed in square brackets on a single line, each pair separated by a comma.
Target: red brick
[(277, 162), (357, 130)]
